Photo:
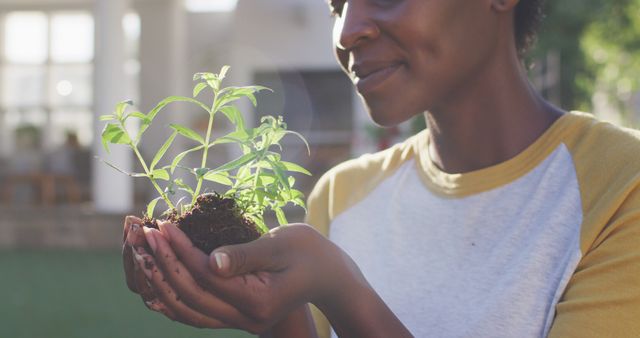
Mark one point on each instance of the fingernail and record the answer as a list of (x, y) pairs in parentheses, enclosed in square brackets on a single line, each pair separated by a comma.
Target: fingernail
[(135, 227), (150, 239), (222, 260)]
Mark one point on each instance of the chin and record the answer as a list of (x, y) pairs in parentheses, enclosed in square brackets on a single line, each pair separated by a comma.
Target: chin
[(388, 115)]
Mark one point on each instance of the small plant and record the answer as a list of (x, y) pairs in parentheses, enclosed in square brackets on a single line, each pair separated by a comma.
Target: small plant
[(258, 180)]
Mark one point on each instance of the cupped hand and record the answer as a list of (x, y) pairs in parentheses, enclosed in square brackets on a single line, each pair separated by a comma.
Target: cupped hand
[(134, 246), (248, 286), (133, 240)]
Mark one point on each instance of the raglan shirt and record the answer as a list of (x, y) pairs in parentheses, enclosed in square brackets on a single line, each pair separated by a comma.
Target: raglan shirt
[(544, 244)]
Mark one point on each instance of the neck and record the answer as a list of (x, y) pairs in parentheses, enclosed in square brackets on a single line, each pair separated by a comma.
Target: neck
[(495, 116)]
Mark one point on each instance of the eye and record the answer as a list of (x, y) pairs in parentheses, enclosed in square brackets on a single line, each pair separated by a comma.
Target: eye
[(336, 7)]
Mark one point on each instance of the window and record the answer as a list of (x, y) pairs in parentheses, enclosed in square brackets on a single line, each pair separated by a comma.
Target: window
[(46, 77), (47, 72), (46, 87)]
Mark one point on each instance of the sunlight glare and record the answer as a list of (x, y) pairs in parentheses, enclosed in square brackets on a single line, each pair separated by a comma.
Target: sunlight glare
[(26, 37), (200, 6)]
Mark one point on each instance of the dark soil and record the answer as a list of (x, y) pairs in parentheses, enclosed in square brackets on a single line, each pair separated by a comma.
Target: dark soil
[(214, 221)]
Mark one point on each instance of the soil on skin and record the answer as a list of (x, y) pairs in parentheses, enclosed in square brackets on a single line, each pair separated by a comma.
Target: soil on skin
[(214, 221)]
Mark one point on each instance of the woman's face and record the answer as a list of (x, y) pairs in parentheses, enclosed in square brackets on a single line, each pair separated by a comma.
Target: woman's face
[(409, 56)]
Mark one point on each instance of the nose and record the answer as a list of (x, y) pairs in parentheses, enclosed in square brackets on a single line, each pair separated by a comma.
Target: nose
[(355, 26)]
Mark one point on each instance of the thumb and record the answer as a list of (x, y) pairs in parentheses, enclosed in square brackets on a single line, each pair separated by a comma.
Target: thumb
[(259, 255)]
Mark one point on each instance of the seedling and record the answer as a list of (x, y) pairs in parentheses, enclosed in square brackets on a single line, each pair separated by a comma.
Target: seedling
[(257, 181)]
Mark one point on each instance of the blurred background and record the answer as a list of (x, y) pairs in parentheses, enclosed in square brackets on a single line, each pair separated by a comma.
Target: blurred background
[(63, 63)]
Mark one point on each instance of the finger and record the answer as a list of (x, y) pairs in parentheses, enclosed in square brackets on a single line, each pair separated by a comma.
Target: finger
[(191, 293), (135, 235), (127, 252), (233, 290), (142, 285), (173, 303), (128, 221), (196, 263), (193, 258), (158, 306), (129, 267), (263, 254), (245, 262)]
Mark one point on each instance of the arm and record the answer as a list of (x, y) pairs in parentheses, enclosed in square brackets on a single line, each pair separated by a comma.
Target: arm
[(602, 298), (360, 312), (298, 323)]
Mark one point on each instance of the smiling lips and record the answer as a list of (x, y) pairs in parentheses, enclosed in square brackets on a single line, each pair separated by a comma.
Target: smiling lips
[(369, 75)]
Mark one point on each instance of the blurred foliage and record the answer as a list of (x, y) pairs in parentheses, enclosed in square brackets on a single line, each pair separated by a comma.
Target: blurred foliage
[(599, 45)]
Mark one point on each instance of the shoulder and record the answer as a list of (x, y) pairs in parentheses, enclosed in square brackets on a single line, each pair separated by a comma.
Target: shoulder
[(350, 181), (607, 164), (601, 144), (608, 169)]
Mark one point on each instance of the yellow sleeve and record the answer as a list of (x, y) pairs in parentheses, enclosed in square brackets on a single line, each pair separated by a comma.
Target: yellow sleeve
[(318, 217), (602, 298)]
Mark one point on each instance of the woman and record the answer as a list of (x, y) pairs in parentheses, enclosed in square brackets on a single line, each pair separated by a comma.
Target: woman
[(507, 218)]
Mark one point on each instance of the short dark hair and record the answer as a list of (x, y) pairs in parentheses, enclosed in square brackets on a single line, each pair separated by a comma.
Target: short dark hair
[(528, 15)]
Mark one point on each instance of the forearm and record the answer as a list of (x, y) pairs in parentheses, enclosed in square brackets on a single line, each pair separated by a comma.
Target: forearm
[(360, 312), (298, 323)]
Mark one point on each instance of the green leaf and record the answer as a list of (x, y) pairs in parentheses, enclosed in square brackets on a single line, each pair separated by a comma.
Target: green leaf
[(276, 136), (267, 178), (200, 172), (120, 170), (238, 136), (231, 94), (303, 140), (234, 115), (295, 168), (260, 223), (114, 133), (140, 116), (184, 186), (260, 130), (160, 174), (237, 163), (181, 156), (282, 219), (203, 76), (218, 178), (163, 150), (279, 171), (188, 132), (120, 108), (198, 88), (107, 117), (223, 72), (152, 206), (152, 114), (260, 196), (169, 190), (273, 156)]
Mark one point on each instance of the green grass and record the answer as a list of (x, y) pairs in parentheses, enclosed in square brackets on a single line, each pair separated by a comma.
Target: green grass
[(79, 294)]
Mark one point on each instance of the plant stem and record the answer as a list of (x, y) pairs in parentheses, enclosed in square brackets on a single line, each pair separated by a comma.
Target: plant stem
[(206, 148), (153, 181)]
